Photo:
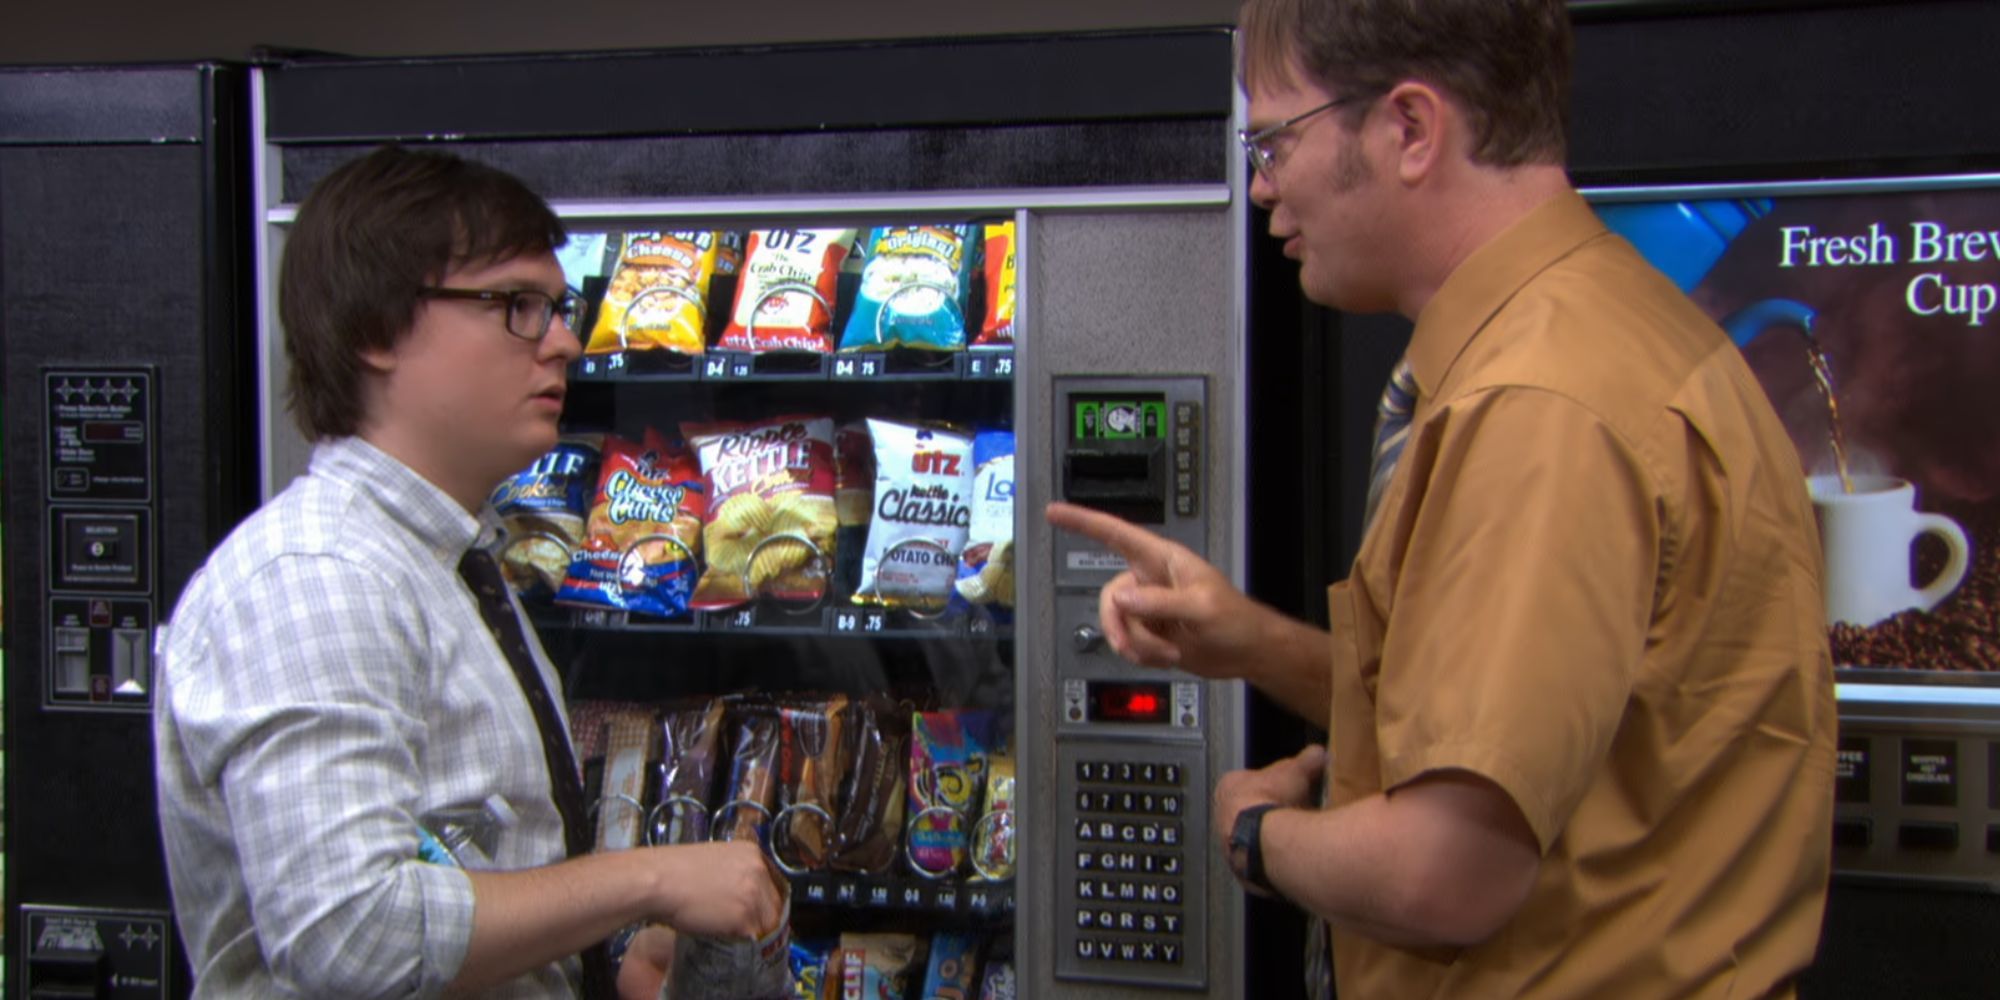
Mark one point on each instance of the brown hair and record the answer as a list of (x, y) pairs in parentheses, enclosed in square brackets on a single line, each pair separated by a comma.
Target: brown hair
[(367, 240), (1506, 63)]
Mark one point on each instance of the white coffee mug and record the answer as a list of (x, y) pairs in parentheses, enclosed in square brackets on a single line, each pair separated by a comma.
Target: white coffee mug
[(1867, 535)]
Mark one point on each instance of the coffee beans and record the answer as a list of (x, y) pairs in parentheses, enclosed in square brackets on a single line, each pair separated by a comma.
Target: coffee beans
[(1961, 634)]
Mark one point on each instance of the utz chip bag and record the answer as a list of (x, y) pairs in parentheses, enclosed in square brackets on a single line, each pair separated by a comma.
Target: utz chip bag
[(923, 508), (784, 297), (658, 297), (947, 773), (543, 508), (913, 290), (643, 538), (771, 519), (986, 566), (997, 329)]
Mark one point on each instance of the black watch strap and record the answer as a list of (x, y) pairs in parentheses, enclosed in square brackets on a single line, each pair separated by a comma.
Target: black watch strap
[(1247, 835)]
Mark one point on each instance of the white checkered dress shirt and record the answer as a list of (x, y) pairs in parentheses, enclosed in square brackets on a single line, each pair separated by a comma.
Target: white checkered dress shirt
[(326, 680)]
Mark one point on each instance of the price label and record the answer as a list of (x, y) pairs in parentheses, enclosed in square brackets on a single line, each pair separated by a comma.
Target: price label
[(989, 365), (859, 367)]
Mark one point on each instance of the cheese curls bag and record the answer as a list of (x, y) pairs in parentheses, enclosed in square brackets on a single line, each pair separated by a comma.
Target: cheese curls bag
[(923, 495), (784, 296), (770, 526), (543, 508), (658, 297), (986, 566), (643, 538), (913, 290), (997, 329)]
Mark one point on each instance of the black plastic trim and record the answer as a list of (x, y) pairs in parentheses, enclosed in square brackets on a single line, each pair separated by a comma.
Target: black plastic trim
[(85, 105)]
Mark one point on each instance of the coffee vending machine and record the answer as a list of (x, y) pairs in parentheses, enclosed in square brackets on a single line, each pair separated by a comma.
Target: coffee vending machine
[(1120, 386)]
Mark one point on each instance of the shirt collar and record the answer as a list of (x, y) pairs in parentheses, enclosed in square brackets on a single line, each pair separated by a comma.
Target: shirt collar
[(1489, 277), (407, 498)]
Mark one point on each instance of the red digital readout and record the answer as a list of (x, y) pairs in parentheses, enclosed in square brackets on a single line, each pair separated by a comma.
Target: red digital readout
[(1110, 702)]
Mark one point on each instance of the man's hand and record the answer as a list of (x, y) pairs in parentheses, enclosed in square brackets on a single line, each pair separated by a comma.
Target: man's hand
[(1289, 783), (723, 889), (1170, 608)]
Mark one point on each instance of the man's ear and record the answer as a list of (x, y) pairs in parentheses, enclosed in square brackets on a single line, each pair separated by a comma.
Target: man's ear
[(1421, 118), (377, 360)]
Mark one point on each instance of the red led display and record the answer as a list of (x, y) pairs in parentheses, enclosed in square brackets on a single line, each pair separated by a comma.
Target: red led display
[(1128, 702)]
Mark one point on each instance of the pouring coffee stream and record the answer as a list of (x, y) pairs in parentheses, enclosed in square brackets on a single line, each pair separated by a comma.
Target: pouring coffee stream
[(1747, 323)]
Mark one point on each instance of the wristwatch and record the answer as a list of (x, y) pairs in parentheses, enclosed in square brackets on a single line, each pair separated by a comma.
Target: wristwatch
[(1246, 848)]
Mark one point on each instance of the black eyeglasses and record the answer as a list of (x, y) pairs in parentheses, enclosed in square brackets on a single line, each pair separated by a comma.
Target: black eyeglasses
[(528, 311), (1257, 144)]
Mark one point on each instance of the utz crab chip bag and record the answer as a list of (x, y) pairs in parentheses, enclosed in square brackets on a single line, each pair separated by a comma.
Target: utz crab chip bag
[(913, 290), (784, 296), (658, 297), (770, 526), (643, 537)]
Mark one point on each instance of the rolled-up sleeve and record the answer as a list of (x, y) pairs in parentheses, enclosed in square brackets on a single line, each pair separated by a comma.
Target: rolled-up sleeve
[(308, 712)]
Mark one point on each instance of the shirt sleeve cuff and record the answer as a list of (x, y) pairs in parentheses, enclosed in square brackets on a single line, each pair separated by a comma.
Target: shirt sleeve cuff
[(448, 902), (1488, 762)]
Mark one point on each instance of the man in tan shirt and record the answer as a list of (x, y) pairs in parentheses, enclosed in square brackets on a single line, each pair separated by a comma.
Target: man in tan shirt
[(1582, 718)]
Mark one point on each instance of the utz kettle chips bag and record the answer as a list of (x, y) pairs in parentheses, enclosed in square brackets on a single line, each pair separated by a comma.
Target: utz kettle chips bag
[(913, 290), (643, 538), (997, 330), (784, 297), (770, 520), (658, 297), (923, 494)]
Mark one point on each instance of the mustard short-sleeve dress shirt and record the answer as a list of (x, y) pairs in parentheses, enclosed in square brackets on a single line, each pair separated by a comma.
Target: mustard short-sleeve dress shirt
[(1594, 580)]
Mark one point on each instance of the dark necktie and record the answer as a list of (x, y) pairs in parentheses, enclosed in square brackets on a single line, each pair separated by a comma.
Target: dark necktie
[(1392, 429), (489, 589)]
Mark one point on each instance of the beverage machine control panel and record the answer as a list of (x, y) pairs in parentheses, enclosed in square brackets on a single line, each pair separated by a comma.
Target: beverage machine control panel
[(1131, 746)]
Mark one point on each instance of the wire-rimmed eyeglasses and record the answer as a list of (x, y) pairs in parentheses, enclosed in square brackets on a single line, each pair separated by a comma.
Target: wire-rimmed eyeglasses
[(1257, 145), (529, 311)]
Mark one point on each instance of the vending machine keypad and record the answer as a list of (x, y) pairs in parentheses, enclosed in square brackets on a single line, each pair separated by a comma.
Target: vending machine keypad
[(1133, 836)]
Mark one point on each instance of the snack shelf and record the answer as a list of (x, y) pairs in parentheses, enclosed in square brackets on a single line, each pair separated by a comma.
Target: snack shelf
[(974, 365), (982, 903), (763, 619)]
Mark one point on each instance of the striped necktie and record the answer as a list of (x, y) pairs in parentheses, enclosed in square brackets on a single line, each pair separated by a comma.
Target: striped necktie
[(1392, 429)]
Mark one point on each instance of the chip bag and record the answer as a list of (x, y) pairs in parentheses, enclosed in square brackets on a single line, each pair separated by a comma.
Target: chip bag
[(542, 508), (784, 297), (643, 538), (658, 297), (771, 518), (923, 508), (913, 290), (997, 330), (986, 566)]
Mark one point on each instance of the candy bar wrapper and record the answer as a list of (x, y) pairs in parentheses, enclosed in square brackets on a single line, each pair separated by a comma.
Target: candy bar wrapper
[(947, 773), (993, 835), (688, 737), (810, 772), (869, 825), (752, 793), (622, 801), (815, 968), (879, 966), (954, 961)]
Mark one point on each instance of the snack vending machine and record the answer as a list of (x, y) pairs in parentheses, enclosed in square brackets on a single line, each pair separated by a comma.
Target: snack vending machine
[(124, 340), (856, 314)]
